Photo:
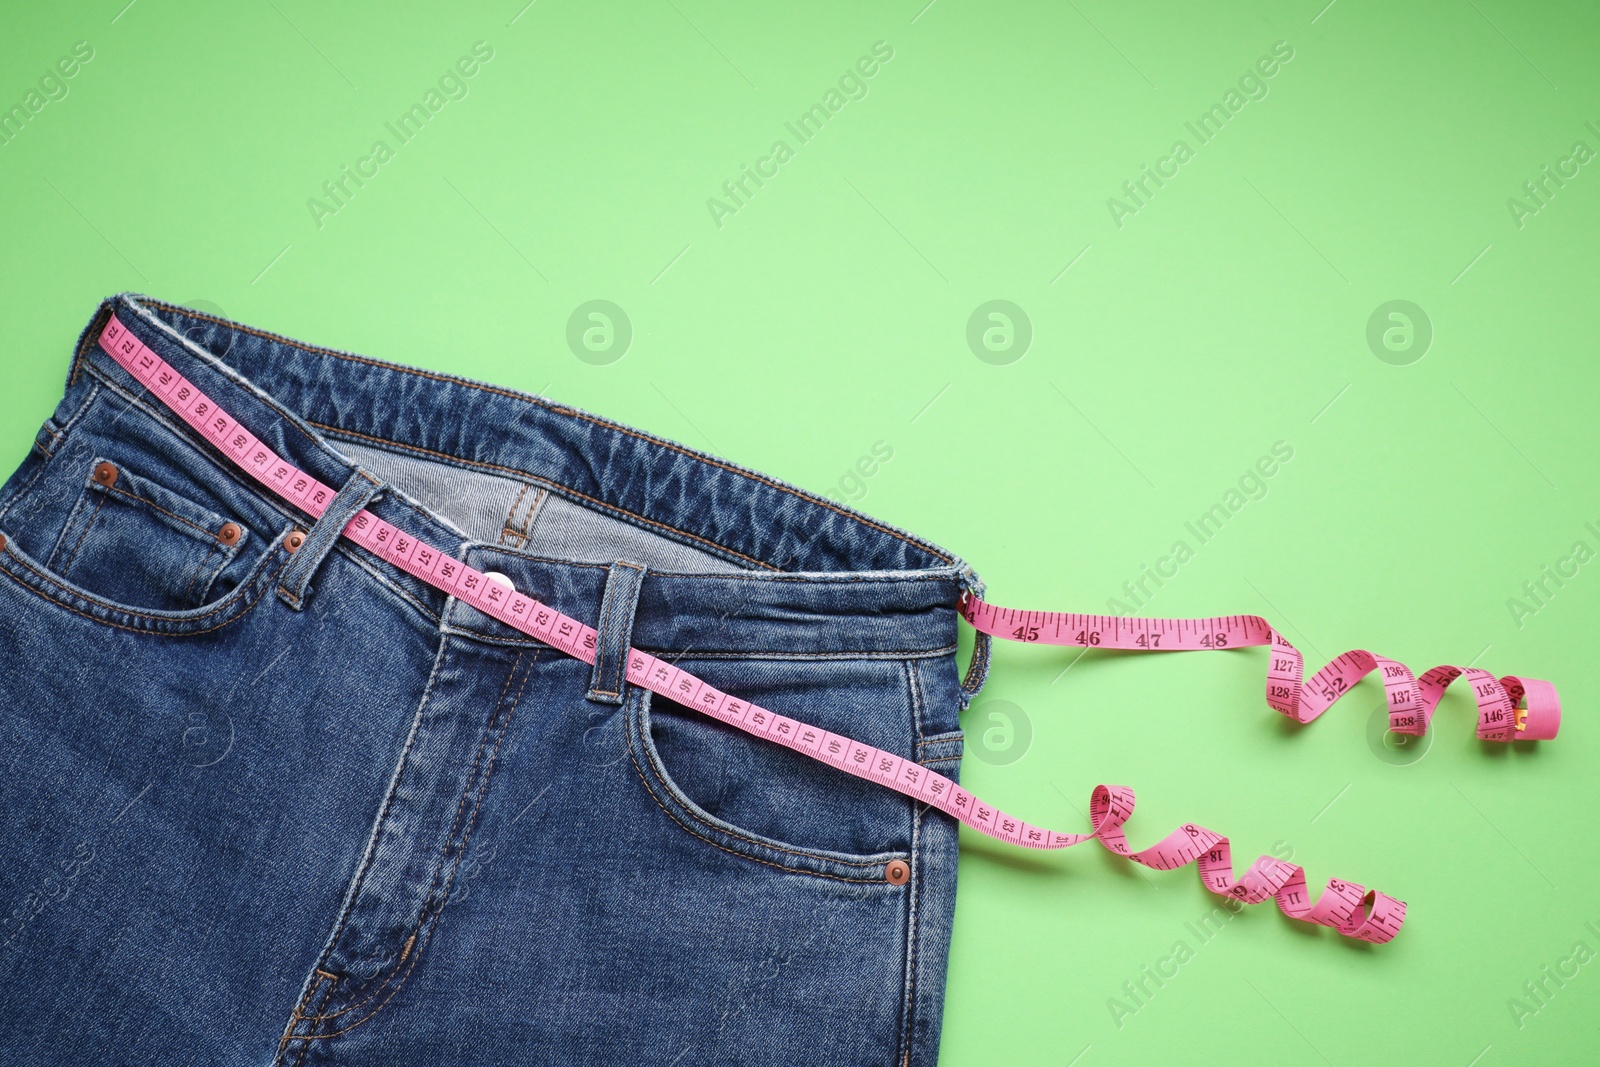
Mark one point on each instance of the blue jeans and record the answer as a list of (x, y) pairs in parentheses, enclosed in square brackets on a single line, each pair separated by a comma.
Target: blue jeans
[(268, 799)]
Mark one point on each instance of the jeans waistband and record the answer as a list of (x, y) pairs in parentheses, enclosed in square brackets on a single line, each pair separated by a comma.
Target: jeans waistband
[(798, 573)]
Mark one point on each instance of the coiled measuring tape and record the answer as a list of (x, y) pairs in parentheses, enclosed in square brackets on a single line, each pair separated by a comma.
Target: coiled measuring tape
[(1348, 907)]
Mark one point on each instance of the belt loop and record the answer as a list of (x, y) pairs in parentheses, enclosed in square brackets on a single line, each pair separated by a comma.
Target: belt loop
[(978, 667), (977, 670), (617, 607), (356, 494)]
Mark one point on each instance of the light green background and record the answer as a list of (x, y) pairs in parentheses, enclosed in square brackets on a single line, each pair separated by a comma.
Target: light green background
[(830, 313)]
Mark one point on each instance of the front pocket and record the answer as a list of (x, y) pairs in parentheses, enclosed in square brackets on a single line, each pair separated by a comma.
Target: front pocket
[(754, 798), (137, 543)]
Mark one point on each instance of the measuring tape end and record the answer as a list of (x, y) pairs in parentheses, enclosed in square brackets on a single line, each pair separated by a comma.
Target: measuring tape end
[(1537, 721)]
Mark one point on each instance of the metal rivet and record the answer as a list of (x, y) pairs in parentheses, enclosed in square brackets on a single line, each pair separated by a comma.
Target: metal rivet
[(229, 534), (2, 542), (294, 540), (105, 474), (897, 872)]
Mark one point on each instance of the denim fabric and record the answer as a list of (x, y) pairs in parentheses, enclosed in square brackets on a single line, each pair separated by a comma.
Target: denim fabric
[(274, 805)]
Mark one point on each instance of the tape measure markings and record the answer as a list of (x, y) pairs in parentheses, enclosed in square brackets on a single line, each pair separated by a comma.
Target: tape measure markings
[(1348, 907)]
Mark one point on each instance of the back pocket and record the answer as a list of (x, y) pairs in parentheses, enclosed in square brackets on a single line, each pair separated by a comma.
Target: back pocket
[(138, 543)]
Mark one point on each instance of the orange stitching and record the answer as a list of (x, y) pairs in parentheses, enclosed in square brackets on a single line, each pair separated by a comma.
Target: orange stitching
[(327, 993), (210, 534), (714, 844), (662, 777), (533, 511), (299, 1013), (517, 536), (73, 518), (337, 430), (110, 606), (834, 577), (557, 408), (890, 654), (660, 772), (270, 500), (188, 437), (273, 503), (144, 500), (709, 653), (388, 802), (506, 527), (684, 451), (243, 610), (294, 1020), (323, 1037), (483, 789), (460, 807)]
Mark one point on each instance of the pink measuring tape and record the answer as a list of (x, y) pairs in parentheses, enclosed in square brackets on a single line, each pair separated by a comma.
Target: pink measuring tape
[(1349, 908)]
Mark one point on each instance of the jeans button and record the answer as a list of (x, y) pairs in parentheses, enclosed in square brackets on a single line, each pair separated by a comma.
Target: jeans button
[(897, 872), (229, 534), (105, 474)]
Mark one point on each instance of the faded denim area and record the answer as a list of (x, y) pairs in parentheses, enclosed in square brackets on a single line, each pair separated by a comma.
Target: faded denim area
[(275, 805)]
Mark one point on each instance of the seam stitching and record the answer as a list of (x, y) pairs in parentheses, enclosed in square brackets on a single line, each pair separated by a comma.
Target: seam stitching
[(472, 780), (538, 402), (66, 427), (231, 470), (698, 653), (66, 530), (458, 461), (274, 503), (242, 609), (210, 534), (327, 991), (298, 1014), (653, 758), (434, 919), (115, 607), (611, 625), (913, 898), (376, 836), (506, 529), (714, 844), (914, 688), (199, 566), (88, 524)]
